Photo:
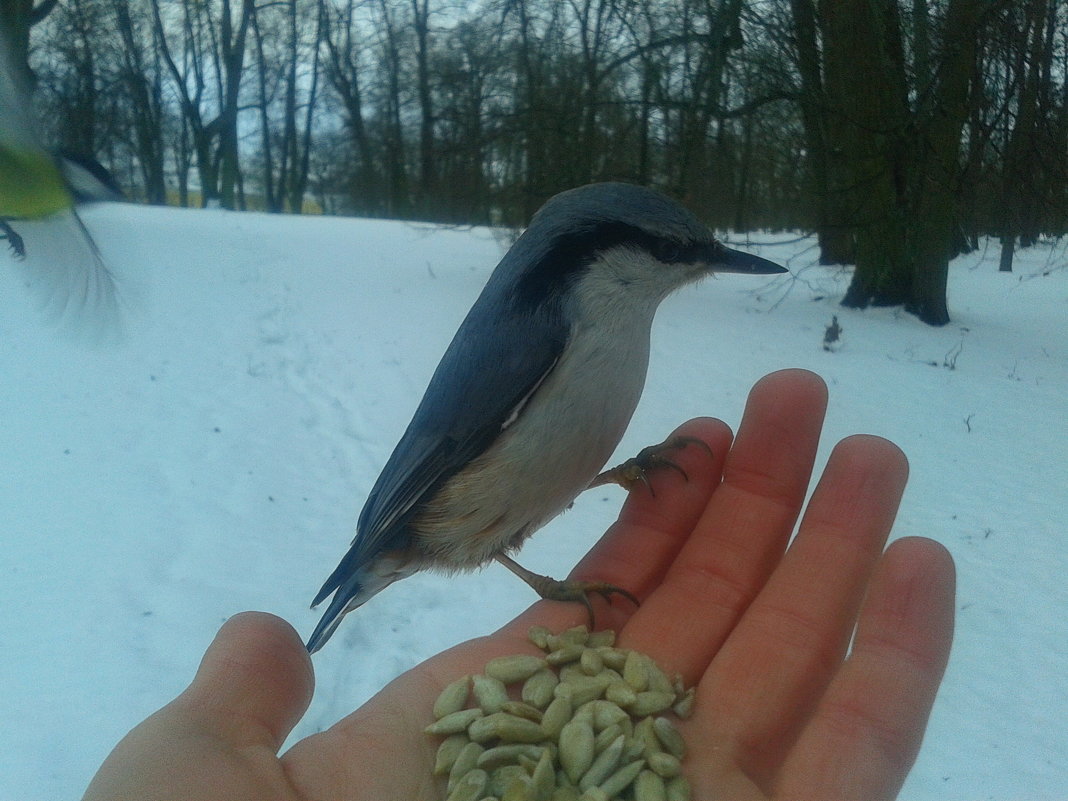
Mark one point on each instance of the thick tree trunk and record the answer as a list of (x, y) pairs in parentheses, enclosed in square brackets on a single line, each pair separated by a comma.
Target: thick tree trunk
[(903, 163), (16, 19), (867, 101), (936, 166), (828, 192)]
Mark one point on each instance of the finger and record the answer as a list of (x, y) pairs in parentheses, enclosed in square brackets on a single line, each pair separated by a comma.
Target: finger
[(802, 620), (867, 730), (742, 532), (254, 682), (219, 738)]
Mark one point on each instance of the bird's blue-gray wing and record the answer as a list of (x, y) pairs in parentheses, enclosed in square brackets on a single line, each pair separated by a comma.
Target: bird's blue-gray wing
[(500, 354)]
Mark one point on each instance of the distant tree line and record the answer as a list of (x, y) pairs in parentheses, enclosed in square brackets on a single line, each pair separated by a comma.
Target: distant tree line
[(898, 130)]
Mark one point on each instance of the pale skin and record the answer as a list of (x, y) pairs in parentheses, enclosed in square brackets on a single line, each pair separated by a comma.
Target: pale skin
[(762, 630)]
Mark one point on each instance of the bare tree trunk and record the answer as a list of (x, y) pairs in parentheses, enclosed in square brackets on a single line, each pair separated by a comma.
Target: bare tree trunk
[(398, 199), (706, 94), (190, 88), (145, 106), (1020, 170), (427, 166), (535, 167), (301, 160), (343, 73), (289, 112), (232, 46), (271, 200)]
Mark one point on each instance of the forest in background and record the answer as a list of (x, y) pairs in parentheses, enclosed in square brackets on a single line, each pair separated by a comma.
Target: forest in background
[(898, 130)]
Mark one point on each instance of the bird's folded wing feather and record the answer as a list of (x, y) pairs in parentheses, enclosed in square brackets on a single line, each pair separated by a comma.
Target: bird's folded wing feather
[(479, 383)]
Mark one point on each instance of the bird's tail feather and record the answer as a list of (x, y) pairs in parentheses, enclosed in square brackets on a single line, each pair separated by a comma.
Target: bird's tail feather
[(339, 605), (352, 587)]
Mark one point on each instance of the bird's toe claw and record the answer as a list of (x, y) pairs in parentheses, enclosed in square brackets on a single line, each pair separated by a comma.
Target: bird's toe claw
[(635, 469)]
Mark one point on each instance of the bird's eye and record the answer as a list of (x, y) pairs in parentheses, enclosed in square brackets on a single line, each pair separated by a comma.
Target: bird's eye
[(667, 251)]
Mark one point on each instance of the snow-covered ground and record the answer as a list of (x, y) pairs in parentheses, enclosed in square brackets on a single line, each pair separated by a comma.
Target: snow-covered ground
[(212, 453)]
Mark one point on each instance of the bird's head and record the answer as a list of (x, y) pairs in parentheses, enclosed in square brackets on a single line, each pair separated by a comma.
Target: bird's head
[(624, 235)]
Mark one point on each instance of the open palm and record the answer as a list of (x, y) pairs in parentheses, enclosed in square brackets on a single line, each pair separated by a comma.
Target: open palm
[(815, 664)]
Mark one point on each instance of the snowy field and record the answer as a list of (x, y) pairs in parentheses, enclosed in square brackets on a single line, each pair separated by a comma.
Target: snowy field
[(210, 451)]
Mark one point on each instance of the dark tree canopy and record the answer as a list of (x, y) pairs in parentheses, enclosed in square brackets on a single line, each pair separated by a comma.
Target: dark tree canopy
[(898, 130)]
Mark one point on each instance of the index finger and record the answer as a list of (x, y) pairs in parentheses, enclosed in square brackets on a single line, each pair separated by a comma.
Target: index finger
[(743, 531)]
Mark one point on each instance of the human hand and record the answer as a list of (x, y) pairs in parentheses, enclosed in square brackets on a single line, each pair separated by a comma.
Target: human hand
[(785, 709)]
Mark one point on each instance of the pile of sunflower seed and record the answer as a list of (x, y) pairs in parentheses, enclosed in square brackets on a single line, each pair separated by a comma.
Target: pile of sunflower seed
[(588, 725)]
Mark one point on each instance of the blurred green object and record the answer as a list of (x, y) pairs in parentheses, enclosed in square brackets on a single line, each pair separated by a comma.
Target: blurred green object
[(30, 184)]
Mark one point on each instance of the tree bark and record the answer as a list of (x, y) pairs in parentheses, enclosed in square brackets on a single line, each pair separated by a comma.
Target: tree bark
[(902, 162), (145, 106), (823, 171), (233, 58), (935, 166), (427, 167), (343, 72), (867, 98), (16, 19)]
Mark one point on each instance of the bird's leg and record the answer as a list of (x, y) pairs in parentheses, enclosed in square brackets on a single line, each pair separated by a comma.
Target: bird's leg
[(634, 470), (554, 590)]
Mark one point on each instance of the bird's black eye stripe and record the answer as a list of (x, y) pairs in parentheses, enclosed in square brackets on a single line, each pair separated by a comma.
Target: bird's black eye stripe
[(571, 253)]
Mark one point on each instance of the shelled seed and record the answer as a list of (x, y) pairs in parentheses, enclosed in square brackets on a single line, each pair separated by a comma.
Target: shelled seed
[(665, 765), (538, 689), (447, 752), (490, 693), (502, 726), (603, 765), (622, 778), (555, 716), (591, 662), (465, 762), (669, 737), (454, 722), (650, 702), (634, 672), (502, 755), (601, 639), (683, 707), (470, 787), (567, 652), (452, 698), (511, 669), (649, 787), (576, 748)]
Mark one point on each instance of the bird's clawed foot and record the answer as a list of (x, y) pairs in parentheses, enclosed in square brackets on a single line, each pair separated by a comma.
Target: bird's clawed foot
[(574, 591), (634, 470)]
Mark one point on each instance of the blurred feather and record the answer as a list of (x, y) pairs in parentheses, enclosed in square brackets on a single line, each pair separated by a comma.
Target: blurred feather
[(38, 192)]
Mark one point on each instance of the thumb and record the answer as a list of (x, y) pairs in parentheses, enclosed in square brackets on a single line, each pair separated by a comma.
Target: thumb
[(252, 687), (255, 681)]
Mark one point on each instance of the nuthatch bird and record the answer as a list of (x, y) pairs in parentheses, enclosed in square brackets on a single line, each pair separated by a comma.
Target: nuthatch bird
[(533, 394)]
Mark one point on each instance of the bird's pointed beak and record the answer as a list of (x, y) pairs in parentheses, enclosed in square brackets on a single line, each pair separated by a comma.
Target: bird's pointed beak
[(736, 261)]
